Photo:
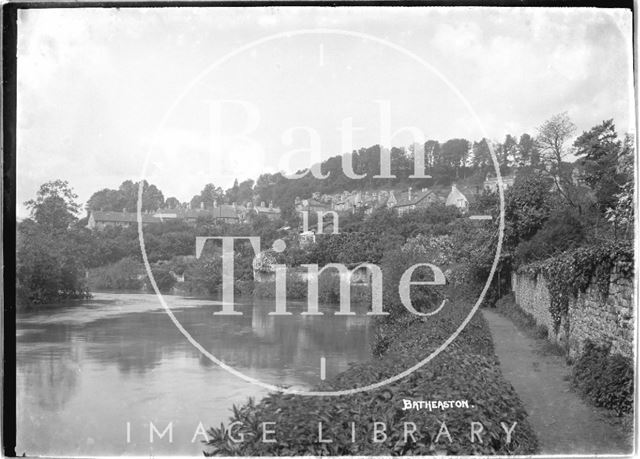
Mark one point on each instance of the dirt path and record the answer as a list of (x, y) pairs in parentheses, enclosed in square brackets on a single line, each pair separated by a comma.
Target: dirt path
[(564, 423)]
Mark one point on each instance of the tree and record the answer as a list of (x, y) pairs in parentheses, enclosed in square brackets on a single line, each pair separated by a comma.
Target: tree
[(455, 153), (105, 199), (231, 195), (621, 212), (50, 252), (528, 206), (511, 154), (553, 134), (599, 150), (245, 191), (126, 197), (209, 195), (55, 206), (172, 203), (529, 153), (481, 154), (432, 153)]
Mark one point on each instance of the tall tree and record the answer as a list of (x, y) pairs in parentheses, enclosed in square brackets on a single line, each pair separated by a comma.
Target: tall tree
[(599, 151), (172, 203), (126, 197), (552, 137), (481, 154), (455, 153), (529, 153), (553, 134), (55, 206), (510, 151), (231, 195), (209, 196), (432, 153)]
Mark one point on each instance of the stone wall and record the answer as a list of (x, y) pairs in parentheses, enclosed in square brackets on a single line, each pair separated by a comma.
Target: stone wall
[(590, 316)]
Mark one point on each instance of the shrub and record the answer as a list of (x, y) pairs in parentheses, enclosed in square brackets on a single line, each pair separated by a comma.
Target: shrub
[(163, 277), (125, 274), (563, 231), (296, 288), (423, 298), (604, 379)]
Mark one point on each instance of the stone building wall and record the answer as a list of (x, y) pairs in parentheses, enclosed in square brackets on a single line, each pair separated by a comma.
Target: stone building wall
[(590, 316)]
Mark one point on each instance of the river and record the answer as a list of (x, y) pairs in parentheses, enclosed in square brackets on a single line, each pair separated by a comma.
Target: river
[(95, 376)]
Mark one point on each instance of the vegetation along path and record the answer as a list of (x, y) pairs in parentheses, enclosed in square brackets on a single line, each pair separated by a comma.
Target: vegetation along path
[(563, 422)]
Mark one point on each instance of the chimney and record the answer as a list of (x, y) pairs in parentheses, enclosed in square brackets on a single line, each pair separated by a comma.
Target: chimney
[(202, 205), (262, 204), (215, 203), (270, 204), (409, 194)]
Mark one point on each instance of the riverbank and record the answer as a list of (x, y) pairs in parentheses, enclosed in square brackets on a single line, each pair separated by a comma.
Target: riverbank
[(375, 422)]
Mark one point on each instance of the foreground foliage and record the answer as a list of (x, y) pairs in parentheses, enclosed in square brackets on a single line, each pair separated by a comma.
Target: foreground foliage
[(466, 370), (605, 379)]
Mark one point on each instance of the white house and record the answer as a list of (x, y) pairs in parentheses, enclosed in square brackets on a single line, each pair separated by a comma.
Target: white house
[(457, 199)]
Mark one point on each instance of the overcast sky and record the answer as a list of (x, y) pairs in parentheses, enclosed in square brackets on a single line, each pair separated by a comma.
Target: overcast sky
[(101, 90)]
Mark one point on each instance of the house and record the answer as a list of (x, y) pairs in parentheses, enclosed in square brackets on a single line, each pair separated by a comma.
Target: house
[(99, 220), (225, 213), (412, 200), (306, 239), (457, 199), (220, 213), (311, 205), (491, 182), (272, 213)]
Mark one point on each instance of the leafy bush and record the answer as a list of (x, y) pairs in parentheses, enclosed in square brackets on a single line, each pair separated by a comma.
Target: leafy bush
[(122, 275), (296, 287), (563, 231), (49, 265), (466, 370), (163, 277), (423, 298), (605, 379)]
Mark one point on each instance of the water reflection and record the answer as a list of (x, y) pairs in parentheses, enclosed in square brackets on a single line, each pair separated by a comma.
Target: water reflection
[(84, 370)]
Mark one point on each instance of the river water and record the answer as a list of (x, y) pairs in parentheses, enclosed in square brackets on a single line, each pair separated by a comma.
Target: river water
[(95, 377)]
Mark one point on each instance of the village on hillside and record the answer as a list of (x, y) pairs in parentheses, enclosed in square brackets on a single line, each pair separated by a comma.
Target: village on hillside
[(367, 201)]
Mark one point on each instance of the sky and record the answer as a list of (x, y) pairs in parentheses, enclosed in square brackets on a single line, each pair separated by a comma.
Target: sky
[(187, 96)]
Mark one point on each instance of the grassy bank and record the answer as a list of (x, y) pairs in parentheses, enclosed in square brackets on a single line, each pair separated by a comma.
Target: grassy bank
[(466, 370)]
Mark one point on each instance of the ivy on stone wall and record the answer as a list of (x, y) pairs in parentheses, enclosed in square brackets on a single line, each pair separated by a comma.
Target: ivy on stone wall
[(573, 271)]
